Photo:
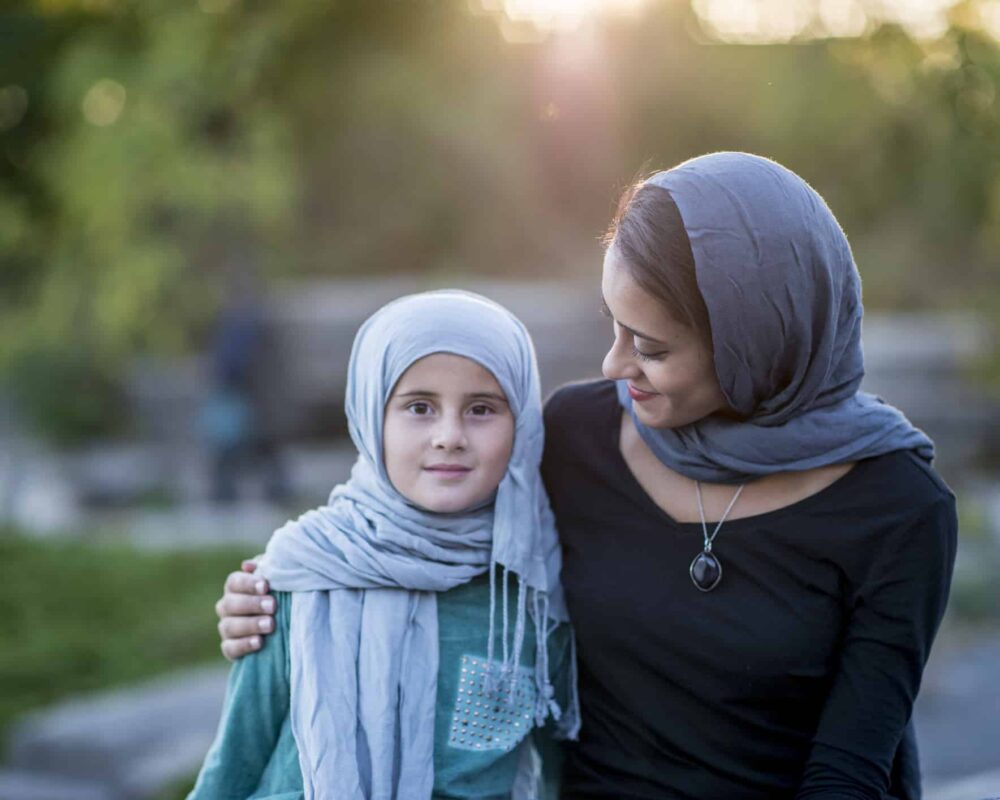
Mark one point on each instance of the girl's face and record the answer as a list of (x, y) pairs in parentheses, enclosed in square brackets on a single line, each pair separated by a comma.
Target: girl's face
[(668, 366), (448, 433)]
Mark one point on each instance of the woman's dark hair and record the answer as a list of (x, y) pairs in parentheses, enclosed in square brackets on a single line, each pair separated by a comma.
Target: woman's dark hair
[(649, 235)]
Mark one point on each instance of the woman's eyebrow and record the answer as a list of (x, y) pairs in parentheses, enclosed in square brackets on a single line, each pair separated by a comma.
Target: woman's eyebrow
[(638, 334)]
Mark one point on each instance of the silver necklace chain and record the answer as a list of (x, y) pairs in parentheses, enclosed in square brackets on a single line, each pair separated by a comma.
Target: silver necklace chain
[(701, 512)]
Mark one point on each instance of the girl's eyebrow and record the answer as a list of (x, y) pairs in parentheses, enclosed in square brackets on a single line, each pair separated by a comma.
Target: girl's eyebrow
[(488, 396), (471, 396), (638, 334)]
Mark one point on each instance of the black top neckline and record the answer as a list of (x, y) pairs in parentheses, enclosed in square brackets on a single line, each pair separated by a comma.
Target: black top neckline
[(641, 496)]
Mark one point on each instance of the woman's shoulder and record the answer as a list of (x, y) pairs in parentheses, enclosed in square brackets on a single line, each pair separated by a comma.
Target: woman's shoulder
[(897, 491), (901, 478), (577, 415), (581, 402)]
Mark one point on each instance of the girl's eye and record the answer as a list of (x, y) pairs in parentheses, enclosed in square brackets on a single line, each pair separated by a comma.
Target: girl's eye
[(481, 410), (637, 353), (419, 408)]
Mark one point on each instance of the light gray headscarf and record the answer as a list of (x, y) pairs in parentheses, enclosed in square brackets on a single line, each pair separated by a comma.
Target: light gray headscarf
[(365, 568), (784, 304)]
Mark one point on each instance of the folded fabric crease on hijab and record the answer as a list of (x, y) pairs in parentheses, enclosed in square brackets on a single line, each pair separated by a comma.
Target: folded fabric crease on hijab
[(372, 656), (784, 303)]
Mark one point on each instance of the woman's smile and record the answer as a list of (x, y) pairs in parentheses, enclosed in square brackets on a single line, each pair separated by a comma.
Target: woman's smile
[(639, 395)]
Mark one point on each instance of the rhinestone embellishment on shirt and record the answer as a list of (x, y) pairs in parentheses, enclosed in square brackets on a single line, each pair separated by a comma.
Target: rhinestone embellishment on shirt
[(494, 718)]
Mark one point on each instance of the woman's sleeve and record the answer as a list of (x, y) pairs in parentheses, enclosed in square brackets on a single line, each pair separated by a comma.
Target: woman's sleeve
[(547, 738), (256, 705), (896, 610)]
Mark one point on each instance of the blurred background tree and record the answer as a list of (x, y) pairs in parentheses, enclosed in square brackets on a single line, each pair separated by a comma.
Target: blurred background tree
[(140, 141)]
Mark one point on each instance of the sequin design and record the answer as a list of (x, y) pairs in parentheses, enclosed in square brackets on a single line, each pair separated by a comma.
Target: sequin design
[(494, 718)]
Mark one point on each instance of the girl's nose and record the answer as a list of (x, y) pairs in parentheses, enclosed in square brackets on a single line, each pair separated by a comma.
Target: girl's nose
[(449, 434)]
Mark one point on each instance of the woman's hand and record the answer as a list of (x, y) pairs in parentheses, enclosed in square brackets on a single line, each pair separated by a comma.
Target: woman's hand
[(246, 612)]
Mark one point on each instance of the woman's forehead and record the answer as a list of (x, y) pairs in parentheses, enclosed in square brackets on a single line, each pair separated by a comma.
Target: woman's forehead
[(635, 308)]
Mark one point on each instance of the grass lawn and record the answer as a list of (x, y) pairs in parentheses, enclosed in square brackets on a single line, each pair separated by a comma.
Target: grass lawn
[(82, 616)]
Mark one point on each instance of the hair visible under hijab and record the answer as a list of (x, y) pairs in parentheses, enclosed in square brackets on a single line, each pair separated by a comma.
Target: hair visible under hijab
[(648, 233)]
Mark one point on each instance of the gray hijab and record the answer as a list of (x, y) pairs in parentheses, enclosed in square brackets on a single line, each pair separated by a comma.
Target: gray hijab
[(365, 569), (784, 304)]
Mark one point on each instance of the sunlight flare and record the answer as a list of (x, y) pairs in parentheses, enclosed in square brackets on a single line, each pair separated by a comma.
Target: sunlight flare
[(559, 14)]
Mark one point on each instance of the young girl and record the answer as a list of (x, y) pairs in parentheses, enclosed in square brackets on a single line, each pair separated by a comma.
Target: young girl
[(404, 665)]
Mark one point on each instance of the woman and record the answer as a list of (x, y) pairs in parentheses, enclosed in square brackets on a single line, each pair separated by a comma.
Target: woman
[(776, 651)]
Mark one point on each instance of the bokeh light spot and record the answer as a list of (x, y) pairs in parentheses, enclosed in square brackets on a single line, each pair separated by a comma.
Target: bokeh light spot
[(104, 102)]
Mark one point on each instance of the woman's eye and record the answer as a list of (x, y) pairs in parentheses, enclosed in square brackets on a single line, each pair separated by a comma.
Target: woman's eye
[(637, 353), (481, 410), (420, 409)]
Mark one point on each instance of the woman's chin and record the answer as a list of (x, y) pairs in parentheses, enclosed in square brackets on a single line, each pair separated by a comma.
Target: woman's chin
[(659, 414)]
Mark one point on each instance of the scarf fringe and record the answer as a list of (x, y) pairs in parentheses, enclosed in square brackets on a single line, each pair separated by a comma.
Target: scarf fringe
[(546, 705)]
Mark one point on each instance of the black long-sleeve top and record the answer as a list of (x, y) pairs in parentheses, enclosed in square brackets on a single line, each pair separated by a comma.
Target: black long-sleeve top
[(795, 677)]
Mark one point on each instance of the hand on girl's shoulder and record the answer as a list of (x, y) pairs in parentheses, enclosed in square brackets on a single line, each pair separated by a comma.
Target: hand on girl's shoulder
[(246, 612)]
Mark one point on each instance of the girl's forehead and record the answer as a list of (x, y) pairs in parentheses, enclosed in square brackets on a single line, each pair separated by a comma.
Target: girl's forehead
[(439, 371)]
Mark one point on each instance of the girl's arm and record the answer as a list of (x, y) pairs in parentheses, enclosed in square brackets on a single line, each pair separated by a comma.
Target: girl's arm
[(256, 707), (896, 613), (245, 612)]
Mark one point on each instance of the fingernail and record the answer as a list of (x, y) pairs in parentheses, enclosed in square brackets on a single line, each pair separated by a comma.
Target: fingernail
[(255, 642), (264, 623), (260, 587), (267, 605)]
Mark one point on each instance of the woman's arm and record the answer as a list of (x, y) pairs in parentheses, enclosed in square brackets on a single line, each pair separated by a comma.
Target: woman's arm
[(245, 612), (895, 614), (256, 707)]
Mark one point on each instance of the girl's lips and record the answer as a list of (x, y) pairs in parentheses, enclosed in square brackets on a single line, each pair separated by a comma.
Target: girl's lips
[(448, 470), (638, 395)]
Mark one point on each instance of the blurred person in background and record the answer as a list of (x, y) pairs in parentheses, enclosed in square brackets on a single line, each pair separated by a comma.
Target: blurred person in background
[(234, 422), (756, 555)]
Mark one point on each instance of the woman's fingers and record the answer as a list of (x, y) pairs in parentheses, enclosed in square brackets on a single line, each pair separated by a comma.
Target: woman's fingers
[(244, 612), (242, 605), (241, 627), (237, 648), (243, 583)]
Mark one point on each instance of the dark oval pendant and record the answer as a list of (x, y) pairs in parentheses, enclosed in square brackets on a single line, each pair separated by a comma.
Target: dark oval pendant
[(706, 571)]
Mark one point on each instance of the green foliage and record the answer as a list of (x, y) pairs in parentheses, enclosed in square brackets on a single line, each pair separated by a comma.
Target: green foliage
[(41, 381), (81, 617), (142, 142)]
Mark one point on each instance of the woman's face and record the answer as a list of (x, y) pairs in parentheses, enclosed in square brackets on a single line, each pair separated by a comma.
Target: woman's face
[(448, 433), (668, 366)]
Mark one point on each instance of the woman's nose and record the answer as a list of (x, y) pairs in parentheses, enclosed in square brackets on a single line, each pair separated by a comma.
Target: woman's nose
[(619, 364)]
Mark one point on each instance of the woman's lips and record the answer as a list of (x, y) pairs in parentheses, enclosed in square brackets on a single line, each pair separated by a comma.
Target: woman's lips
[(638, 395)]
